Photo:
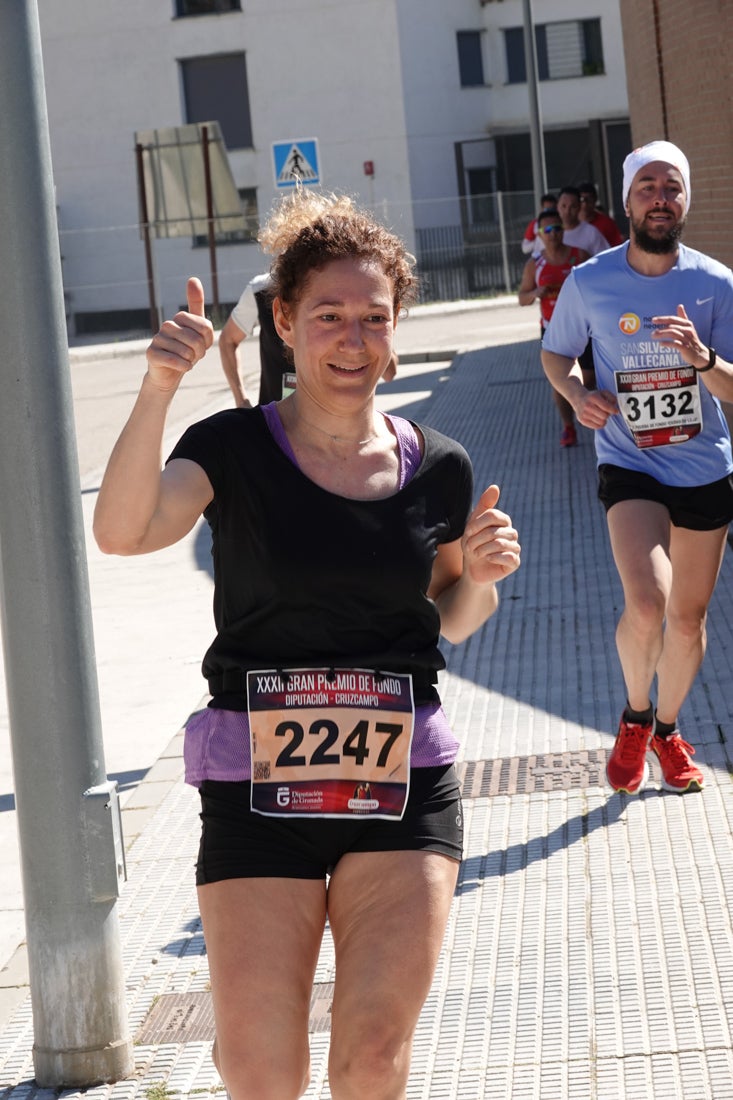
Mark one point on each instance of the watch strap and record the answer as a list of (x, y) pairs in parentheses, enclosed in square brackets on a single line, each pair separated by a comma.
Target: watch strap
[(710, 363)]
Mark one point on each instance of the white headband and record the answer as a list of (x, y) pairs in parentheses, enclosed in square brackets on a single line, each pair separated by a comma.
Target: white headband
[(656, 150)]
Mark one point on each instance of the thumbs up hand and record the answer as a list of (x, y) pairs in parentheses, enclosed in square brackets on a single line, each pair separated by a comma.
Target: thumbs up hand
[(490, 544), (181, 342)]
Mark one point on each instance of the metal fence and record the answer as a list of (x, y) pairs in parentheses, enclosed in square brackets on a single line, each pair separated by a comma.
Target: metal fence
[(476, 257), (465, 248)]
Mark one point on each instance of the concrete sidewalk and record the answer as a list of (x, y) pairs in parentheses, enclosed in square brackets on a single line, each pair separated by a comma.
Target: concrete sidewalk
[(590, 950)]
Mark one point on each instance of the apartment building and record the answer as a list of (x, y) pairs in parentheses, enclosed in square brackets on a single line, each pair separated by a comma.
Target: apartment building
[(419, 108)]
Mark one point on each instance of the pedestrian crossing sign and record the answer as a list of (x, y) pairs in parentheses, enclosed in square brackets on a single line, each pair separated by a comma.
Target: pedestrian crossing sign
[(296, 161)]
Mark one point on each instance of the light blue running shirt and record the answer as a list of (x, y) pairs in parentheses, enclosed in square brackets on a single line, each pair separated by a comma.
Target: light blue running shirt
[(674, 430)]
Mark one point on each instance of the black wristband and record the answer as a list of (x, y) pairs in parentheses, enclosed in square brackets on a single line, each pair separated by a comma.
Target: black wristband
[(710, 363)]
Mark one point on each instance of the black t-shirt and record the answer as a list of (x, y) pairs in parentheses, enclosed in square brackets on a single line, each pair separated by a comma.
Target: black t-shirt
[(274, 361), (304, 577)]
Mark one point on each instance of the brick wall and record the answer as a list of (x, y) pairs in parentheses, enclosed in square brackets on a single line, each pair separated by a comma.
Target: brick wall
[(688, 84)]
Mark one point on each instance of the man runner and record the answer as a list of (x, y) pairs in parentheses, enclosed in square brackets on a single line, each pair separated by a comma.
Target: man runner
[(661, 319)]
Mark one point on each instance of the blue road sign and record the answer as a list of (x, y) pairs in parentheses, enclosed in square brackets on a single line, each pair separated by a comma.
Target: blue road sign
[(295, 161)]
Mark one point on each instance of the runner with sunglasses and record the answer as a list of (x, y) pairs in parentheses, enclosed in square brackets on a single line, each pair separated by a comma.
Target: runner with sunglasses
[(543, 275)]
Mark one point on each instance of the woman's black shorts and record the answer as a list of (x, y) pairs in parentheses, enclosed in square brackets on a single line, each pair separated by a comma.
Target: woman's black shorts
[(697, 507), (236, 843)]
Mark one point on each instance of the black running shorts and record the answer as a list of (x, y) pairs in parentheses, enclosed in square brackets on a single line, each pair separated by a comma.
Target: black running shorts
[(697, 507), (237, 843)]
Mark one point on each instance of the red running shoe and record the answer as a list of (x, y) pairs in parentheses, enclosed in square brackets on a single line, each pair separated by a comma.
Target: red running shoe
[(678, 772), (569, 436), (627, 768)]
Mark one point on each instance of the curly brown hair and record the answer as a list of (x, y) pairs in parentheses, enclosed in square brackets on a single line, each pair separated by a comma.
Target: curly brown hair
[(308, 230)]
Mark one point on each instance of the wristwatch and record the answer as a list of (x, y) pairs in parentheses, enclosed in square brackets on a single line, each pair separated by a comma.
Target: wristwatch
[(710, 363)]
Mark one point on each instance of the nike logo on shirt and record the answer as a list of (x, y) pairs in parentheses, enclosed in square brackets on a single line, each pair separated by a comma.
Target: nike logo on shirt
[(702, 301)]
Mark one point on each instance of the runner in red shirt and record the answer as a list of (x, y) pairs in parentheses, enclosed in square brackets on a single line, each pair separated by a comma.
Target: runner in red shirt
[(543, 275), (603, 222)]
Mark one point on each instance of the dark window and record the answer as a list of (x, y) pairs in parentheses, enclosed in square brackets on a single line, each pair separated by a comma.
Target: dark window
[(470, 61), (540, 41), (567, 158), (593, 46), (514, 162), (248, 195), (515, 66), (215, 89), (481, 188), (206, 7), (112, 320), (564, 49)]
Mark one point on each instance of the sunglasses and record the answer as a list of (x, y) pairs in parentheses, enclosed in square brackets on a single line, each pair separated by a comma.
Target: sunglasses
[(550, 229)]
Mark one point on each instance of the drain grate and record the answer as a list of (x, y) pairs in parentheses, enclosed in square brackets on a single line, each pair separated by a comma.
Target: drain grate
[(189, 1017), (556, 771), (178, 1018)]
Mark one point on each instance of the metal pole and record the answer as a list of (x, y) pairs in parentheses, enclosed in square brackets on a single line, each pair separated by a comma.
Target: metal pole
[(539, 176), (67, 812), (142, 192), (210, 222), (502, 237)]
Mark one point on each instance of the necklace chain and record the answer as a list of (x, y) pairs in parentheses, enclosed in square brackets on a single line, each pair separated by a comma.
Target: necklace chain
[(340, 438)]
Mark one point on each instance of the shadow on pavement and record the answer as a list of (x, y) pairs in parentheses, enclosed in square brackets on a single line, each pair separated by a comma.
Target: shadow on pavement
[(516, 857)]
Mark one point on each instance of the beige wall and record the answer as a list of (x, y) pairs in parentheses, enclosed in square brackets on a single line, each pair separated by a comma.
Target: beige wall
[(682, 76)]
